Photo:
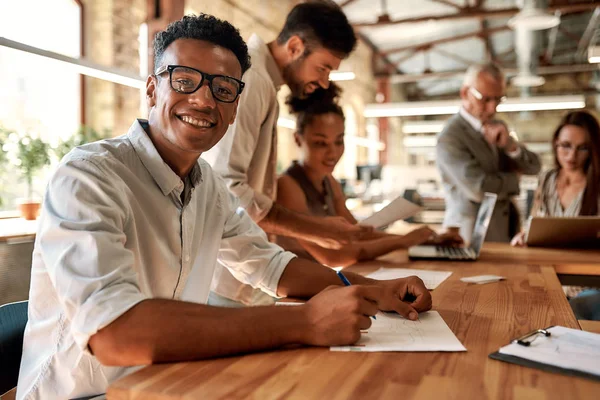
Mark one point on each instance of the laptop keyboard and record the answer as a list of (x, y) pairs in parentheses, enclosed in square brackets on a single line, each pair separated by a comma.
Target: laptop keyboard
[(455, 253)]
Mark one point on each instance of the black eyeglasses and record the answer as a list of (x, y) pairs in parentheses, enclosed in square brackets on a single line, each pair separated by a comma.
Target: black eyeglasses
[(567, 147), (486, 99), (187, 80)]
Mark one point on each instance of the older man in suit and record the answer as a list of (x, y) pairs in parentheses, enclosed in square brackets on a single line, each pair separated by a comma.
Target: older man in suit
[(476, 154)]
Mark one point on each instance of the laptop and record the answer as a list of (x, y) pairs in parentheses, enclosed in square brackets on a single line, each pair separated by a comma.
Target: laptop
[(471, 253), (581, 232)]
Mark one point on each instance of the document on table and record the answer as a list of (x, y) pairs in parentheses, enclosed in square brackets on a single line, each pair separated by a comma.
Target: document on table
[(392, 332), (432, 279), (565, 348), (399, 208)]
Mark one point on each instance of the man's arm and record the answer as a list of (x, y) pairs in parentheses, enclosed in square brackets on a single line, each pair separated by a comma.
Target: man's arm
[(460, 166), (328, 232), (525, 161), (291, 195), (167, 330)]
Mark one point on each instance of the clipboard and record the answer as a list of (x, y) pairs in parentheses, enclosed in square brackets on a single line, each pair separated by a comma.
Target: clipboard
[(526, 341)]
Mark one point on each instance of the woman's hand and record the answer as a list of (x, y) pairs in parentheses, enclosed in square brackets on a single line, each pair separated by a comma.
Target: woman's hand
[(518, 240)]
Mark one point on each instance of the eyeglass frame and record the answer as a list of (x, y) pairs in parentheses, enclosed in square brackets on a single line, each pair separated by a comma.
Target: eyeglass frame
[(486, 99), (204, 75), (568, 147)]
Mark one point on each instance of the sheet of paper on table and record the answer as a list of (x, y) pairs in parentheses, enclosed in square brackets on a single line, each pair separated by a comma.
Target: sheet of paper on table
[(391, 332), (399, 208), (432, 279)]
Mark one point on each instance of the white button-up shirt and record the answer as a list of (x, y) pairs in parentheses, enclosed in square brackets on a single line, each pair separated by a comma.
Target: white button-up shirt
[(114, 231)]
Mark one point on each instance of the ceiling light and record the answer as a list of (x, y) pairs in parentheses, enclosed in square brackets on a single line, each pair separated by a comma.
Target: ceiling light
[(443, 107), (365, 142), (415, 127), (533, 19), (419, 141), (80, 66), (447, 107), (594, 54), (542, 103), (341, 76), (527, 80)]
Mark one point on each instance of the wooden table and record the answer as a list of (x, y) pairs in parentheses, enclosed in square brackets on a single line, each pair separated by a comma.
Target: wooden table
[(483, 317), (17, 230), (564, 261)]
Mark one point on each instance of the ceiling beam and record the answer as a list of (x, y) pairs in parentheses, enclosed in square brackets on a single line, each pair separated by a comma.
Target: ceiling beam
[(480, 13), (453, 56), (427, 45), (489, 46), (586, 38), (552, 34), (408, 56), (572, 37), (377, 54)]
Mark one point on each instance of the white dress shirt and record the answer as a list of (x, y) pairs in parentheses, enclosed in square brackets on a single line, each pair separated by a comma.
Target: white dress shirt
[(114, 231), (246, 157)]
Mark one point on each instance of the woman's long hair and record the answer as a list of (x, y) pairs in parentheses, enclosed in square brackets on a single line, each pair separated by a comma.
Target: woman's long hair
[(587, 121)]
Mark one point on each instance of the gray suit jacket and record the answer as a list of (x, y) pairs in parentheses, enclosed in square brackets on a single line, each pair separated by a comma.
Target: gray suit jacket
[(469, 167)]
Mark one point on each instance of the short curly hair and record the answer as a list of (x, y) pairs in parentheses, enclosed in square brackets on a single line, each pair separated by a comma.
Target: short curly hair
[(202, 27), (321, 101)]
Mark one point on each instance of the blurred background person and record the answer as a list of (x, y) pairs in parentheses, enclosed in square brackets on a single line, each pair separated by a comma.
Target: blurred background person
[(476, 154), (570, 189), (309, 187)]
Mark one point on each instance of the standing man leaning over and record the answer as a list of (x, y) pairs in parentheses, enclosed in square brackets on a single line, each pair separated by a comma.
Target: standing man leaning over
[(131, 229), (476, 154), (314, 40)]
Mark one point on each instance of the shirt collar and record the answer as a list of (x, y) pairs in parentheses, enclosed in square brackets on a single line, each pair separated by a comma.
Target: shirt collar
[(255, 42), (471, 120), (162, 174)]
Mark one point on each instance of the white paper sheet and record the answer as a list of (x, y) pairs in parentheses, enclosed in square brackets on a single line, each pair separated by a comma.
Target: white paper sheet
[(565, 348), (432, 279), (391, 332), (399, 208)]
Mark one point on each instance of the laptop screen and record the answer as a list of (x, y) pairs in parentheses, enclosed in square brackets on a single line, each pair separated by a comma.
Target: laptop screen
[(486, 209)]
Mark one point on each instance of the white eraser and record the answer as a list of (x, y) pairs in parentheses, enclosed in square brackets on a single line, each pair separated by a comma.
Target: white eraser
[(479, 279)]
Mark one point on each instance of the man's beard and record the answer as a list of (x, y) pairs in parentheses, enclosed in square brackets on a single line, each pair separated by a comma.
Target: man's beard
[(290, 72)]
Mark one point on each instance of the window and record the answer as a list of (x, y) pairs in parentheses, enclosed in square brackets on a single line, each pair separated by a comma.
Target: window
[(38, 96)]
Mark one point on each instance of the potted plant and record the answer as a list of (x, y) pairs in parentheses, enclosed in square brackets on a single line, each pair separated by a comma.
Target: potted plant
[(29, 154)]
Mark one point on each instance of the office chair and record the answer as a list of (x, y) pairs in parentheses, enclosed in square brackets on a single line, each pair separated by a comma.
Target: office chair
[(13, 318)]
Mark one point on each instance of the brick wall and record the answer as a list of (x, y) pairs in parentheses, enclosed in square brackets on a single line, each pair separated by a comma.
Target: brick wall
[(111, 39)]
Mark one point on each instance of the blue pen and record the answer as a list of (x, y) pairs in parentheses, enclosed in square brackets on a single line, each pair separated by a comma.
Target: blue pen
[(346, 282)]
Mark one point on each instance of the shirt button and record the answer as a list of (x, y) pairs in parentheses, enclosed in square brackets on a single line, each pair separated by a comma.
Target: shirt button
[(187, 258)]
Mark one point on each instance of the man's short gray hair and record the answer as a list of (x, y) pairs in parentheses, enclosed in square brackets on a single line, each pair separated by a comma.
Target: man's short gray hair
[(474, 70)]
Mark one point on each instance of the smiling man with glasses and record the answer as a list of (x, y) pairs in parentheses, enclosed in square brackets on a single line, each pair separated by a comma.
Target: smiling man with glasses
[(476, 154), (131, 229)]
